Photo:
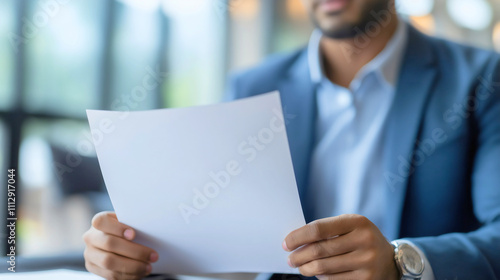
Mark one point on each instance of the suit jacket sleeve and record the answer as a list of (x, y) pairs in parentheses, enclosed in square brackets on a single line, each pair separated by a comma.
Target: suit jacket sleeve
[(476, 255)]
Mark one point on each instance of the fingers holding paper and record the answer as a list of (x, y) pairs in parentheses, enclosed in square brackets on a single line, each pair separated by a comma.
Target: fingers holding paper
[(341, 247), (111, 252)]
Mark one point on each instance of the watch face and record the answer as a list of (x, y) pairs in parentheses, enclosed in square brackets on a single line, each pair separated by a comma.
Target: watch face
[(412, 261)]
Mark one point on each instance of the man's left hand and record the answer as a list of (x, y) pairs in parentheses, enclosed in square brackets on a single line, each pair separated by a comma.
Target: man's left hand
[(341, 247)]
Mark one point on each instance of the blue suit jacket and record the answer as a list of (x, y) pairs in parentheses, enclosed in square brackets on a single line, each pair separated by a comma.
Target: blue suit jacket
[(441, 154)]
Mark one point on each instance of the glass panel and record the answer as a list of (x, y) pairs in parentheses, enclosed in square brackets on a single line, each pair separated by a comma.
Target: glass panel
[(62, 187), (247, 34), (7, 52), (496, 36), (136, 79), (63, 55), (196, 51), (293, 26), (255, 33)]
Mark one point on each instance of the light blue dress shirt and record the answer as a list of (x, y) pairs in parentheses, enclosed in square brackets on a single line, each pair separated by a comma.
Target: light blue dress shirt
[(346, 169)]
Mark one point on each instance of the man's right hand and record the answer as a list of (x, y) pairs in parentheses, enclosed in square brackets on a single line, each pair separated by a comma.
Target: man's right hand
[(111, 252)]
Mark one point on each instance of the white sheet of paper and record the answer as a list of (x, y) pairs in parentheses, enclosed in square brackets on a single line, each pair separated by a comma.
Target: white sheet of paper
[(211, 188), (58, 274)]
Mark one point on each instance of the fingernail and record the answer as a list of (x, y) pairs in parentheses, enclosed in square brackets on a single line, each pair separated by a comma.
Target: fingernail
[(290, 263), (284, 246), (153, 257), (129, 234), (149, 268)]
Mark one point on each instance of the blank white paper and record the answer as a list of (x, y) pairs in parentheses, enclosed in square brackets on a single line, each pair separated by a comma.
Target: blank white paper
[(211, 188)]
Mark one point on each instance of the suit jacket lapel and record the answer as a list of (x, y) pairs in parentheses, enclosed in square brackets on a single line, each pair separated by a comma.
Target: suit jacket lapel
[(415, 84), (414, 87), (299, 108)]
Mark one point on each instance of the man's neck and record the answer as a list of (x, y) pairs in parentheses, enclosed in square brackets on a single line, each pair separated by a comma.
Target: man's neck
[(343, 58)]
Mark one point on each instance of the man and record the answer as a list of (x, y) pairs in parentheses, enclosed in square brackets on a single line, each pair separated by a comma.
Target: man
[(399, 128)]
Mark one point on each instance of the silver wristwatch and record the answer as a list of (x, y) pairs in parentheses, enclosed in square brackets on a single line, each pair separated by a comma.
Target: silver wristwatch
[(408, 260)]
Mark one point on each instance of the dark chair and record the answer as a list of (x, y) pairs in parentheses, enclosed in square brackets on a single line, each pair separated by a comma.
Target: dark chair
[(81, 177)]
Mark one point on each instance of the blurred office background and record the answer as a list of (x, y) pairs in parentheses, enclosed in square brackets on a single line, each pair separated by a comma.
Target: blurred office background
[(61, 57)]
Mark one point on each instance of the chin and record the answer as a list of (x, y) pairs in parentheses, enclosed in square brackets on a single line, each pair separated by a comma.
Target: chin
[(338, 29), (346, 22)]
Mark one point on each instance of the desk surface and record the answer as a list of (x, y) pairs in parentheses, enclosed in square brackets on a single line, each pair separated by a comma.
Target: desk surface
[(74, 262), (50, 275)]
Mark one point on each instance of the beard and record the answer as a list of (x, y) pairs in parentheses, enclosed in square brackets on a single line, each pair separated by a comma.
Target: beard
[(352, 29)]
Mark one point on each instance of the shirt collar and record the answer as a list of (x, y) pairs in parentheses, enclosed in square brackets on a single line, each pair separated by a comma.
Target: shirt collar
[(386, 64)]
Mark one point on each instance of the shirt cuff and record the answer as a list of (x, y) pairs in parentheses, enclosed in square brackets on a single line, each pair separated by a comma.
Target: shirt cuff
[(428, 273)]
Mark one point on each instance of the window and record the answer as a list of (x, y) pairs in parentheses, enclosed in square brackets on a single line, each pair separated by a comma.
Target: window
[(62, 56), (138, 39), (196, 51), (54, 212), (7, 54), (70, 56)]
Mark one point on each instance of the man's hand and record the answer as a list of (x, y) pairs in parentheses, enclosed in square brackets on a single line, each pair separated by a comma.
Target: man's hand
[(342, 247), (110, 252)]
